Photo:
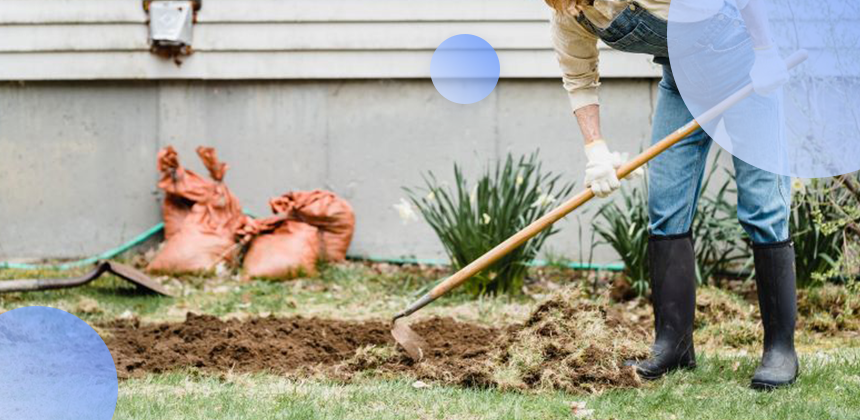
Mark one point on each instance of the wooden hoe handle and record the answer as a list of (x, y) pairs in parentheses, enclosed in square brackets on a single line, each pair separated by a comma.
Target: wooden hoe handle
[(578, 200)]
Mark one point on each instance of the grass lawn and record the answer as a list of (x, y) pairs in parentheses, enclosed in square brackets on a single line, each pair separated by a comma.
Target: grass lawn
[(828, 389), (829, 386)]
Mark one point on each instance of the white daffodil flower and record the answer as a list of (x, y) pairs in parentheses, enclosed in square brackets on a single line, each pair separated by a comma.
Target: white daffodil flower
[(405, 210), (520, 180), (487, 218), (544, 200), (431, 196), (797, 185)]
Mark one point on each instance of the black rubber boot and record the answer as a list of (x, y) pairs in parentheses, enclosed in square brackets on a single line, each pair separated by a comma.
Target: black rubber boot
[(777, 299), (673, 296)]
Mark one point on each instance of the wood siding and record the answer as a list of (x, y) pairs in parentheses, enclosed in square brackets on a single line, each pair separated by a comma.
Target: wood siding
[(280, 39)]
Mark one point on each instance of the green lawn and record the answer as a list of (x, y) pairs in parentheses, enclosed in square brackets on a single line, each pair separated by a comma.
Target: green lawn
[(829, 386), (345, 291)]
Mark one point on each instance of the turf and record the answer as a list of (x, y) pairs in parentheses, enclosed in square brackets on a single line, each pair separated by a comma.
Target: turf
[(828, 389), (829, 386), (344, 291)]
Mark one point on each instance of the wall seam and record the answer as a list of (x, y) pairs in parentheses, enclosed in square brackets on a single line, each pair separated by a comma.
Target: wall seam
[(327, 140), (496, 134)]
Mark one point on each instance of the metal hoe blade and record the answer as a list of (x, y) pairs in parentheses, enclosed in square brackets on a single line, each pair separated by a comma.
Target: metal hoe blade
[(135, 276), (410, 340), (122, 271)]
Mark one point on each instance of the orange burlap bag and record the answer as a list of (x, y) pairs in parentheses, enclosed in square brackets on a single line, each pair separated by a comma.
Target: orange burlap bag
[(331, 214), (284, 250), (307, 226), (202, 218)]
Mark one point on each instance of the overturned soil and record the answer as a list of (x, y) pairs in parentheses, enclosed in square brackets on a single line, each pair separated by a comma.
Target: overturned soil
[(568, 343), (282, 345)]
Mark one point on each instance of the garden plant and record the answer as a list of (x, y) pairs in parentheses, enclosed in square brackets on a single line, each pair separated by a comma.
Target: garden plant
[(473, 217)]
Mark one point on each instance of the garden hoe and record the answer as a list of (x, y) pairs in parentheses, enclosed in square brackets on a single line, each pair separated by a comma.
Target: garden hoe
[(122, 271), (415, 346)]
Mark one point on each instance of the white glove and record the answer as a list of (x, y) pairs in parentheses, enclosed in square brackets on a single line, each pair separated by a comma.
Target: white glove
[(769, 71), (600, 171)]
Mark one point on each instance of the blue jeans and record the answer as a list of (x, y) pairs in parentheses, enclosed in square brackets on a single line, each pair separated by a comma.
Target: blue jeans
[(675, 176)]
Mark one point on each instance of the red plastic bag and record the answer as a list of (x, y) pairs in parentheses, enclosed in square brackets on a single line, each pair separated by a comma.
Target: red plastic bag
[(324, 209), (202, 218), (290, 250)]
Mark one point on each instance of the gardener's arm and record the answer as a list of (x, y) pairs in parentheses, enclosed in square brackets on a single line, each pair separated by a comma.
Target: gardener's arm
[(769, 72), (588, 118), (754, 14), (576, 50), (577, 54)]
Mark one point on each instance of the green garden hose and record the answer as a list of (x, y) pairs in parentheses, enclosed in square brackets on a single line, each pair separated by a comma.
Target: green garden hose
[(139, 239)]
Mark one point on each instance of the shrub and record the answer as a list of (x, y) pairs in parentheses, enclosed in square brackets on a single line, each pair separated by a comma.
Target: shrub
[(816, 232), (470, 221)]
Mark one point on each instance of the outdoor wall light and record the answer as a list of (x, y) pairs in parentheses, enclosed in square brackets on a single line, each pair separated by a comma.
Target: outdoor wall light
[(171, 25)]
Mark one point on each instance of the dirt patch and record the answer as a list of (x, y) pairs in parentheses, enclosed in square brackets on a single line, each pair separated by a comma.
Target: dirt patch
[(280, 345), (568, 343)]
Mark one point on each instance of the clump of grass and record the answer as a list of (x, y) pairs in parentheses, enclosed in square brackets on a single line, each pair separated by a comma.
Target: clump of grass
[(738, 333), (716, 306), (822, 322), (829, 308), (371, 357), (569, 343), (724, 319)]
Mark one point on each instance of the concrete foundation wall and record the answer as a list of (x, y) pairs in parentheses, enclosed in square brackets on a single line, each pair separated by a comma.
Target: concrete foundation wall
[(77, 159)]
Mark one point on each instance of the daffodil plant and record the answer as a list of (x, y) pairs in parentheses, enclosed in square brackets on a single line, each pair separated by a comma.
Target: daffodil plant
[(472, 218)]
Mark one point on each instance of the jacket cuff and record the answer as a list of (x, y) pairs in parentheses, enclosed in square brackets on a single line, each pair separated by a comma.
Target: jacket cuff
[(583, 97)]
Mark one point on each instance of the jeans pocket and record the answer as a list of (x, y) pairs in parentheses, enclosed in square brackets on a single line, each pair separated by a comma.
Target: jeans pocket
[(732, 40), (641, 40), (690, 74)]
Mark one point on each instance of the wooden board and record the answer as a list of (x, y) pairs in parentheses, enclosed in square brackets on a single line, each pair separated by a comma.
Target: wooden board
[(287, 65), (119, 11)]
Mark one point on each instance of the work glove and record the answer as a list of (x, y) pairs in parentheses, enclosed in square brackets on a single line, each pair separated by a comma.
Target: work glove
[(769, 71), (600, 169)]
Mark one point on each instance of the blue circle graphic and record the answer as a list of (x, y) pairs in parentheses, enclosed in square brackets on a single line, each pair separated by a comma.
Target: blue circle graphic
[(54, 366), (802, 122), (465, 69)]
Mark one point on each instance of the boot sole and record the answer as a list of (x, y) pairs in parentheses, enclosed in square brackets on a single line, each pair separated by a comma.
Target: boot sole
[(767, 386), (653, 376)]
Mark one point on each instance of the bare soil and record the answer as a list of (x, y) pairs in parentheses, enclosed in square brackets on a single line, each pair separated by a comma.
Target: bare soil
[(281, 345), (567, 344), (570, 342)]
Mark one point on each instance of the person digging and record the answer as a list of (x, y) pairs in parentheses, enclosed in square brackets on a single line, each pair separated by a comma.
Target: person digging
[(676, 175)]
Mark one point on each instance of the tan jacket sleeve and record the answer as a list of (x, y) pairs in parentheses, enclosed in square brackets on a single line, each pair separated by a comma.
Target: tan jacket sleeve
[(577, 54)]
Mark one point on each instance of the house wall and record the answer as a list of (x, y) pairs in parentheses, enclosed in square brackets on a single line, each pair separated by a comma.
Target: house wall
[(275, 39), (77, 159), (294, 94)]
